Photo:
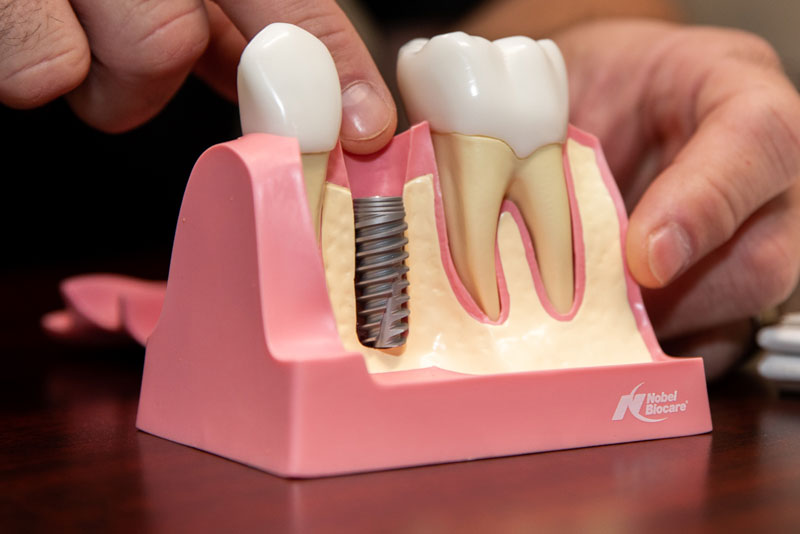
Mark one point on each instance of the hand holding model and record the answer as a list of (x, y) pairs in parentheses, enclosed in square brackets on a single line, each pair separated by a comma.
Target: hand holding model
[(702, 130), (119, 63), (701, 127)]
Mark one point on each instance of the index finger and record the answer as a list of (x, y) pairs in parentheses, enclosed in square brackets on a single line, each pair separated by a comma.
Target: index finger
[(369, 115)]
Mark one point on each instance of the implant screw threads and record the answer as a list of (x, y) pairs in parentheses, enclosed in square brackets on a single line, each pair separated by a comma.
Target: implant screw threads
[(381, 284)]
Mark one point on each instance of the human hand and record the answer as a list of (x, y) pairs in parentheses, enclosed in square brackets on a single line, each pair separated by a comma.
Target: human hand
[(119, 63), (702, 130)]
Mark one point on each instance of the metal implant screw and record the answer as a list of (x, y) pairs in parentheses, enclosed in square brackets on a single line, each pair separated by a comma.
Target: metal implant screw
[(380, 281)]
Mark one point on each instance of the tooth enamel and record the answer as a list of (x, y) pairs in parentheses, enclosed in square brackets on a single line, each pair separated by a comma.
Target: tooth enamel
[(443, 334), (288, 85), (498, 111)]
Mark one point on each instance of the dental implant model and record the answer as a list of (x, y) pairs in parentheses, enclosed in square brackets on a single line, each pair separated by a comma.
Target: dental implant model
[(284, 339)]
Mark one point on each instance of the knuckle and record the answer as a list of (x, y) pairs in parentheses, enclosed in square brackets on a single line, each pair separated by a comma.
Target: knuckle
[(41, 64), (173, 42), (775, 265), (336, 38), (721, 209), (756, 49), (328, 24), (770, 120)]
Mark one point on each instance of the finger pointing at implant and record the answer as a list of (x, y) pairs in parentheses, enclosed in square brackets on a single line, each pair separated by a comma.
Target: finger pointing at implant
[(369, 116)]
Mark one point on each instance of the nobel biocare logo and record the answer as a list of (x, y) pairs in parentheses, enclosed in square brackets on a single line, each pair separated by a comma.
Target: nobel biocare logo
[(643, 405)]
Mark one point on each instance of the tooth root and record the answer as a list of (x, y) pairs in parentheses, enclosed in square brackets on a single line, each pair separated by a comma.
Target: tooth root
[(540, 191), (511, 94), (315, 170), (474, 173)]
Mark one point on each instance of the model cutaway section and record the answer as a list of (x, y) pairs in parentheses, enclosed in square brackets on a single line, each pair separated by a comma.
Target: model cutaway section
[(448, 330), (501, 287)]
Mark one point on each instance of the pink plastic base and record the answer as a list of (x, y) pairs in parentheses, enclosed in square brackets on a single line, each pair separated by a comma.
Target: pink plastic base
[(246, 362)]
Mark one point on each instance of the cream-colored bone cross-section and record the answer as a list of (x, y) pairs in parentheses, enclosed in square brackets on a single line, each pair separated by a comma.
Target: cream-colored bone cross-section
[(288, 85), (443, 334), (498, 111)]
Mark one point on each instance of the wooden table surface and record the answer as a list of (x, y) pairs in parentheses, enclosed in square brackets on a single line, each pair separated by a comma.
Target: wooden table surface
[(71, 460)]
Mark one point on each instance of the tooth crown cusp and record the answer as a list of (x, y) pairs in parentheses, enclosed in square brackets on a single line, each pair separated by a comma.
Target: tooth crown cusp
[(513, 89)]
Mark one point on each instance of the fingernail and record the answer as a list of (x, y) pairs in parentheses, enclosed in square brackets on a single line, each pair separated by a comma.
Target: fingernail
[(364, 113), (668, 252)]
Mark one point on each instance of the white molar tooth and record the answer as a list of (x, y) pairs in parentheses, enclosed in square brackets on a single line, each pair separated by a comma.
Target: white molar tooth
[(540, 91), (498, 112), (288, 85), (513, 89), (414, 45), (560, 70)]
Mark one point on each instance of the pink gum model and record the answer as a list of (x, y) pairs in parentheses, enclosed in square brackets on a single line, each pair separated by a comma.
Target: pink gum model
[(246, 362)]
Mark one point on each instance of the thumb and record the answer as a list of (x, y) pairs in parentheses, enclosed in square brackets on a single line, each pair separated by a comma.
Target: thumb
[(369, 115)]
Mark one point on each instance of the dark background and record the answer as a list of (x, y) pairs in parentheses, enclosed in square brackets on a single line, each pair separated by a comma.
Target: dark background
[(76, 196)]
